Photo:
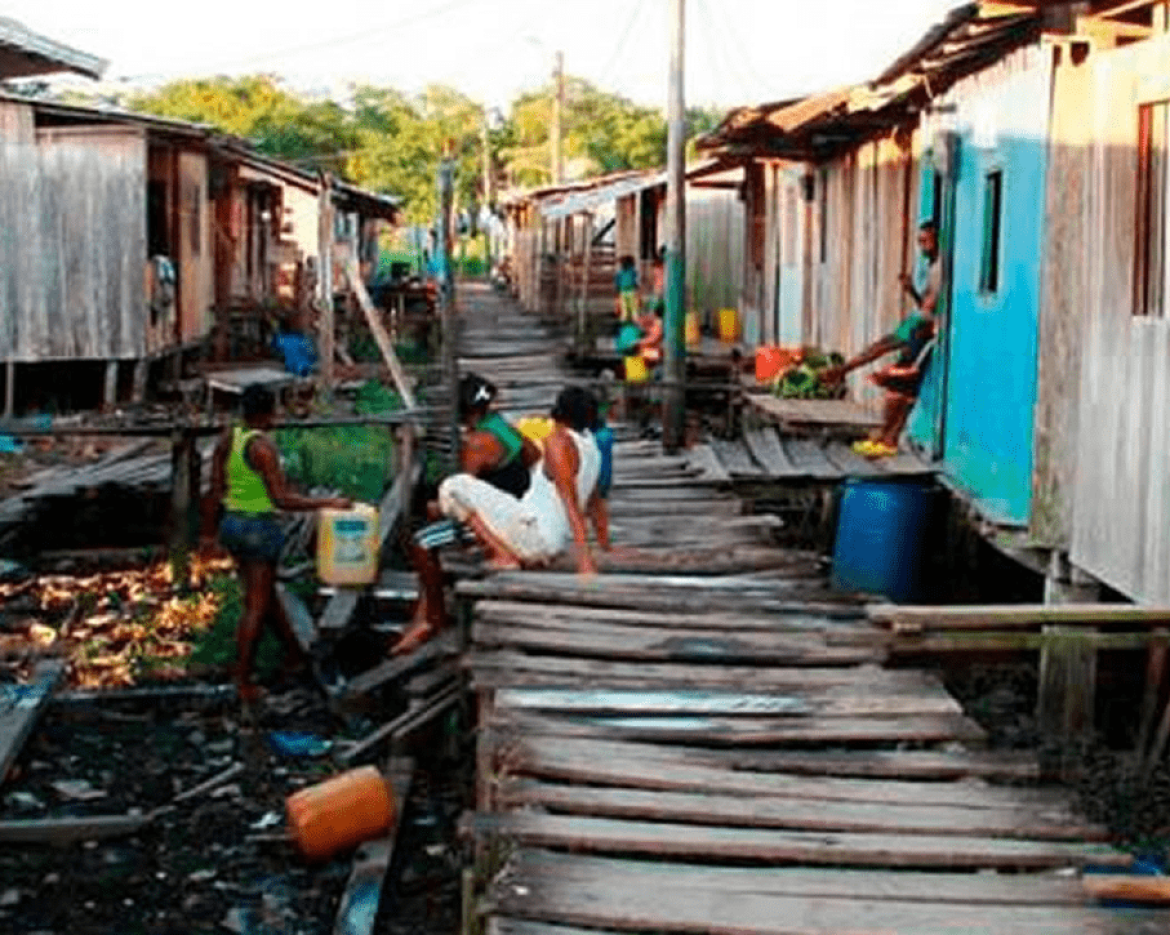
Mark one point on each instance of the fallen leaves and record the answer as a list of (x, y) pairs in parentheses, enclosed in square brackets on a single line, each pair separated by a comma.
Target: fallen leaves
[(109, 625)]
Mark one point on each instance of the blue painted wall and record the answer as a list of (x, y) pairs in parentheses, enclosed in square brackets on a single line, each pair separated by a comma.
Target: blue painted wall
[(991, 345)]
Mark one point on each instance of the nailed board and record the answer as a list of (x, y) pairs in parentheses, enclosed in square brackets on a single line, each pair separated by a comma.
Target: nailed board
[(736, 459), (809, 458), (766, 449), (707, 900), (605, 835), (836, 413), (757, 731), (509, 611), (1021, 822), (22, 705), (714, 648), (644, 766)]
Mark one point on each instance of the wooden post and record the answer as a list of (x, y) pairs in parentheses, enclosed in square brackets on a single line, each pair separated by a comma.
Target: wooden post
[(1067, 695), (378, 330), (110, 385), (446, 304), (583, 305), (674, 346), (1155, 674), (141, 371), (9, 388), (185, 491), (325, 278), (558, 162)]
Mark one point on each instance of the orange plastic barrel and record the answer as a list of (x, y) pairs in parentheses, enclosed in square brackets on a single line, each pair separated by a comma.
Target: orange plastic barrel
[(340, 812)]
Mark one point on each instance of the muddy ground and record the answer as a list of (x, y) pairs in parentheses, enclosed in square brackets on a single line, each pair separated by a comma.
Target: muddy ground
[(216, 863)]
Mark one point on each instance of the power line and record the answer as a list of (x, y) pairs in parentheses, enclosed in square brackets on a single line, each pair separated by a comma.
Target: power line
[(349, 38), (620, 47), (729, 56)]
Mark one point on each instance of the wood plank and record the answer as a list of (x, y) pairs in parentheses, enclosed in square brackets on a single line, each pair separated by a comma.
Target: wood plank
[(442, 646), (609, 762), (701, 456), (722, 649), (609, 904), (69, 830), (544, 869), (736, 459), (809, 458), (758, 731), (1022, 822), (509, 611), (1000, 765), (22, 705), (765, 447), (358, 907), (715, 845), (498, 668), (839, 413), (851, 464), (650, 702), (1010, 616), (378, 330)]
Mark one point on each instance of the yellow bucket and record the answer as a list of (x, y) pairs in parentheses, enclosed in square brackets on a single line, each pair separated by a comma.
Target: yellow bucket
[(535, 428), (728, 324), (635, 369), (692, 329)]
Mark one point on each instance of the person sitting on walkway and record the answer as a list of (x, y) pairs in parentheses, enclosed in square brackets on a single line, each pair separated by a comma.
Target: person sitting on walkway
[(527, 531), (913, 339), (248, 484)]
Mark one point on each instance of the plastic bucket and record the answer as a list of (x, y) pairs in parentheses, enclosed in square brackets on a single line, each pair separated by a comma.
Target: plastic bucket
[(728, 324), (340, 813), (692, 329), (635, 369), (880, 528), (769, 363)]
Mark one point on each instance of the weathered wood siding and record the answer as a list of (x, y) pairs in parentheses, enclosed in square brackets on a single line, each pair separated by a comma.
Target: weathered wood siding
[(73, 246), (861, 229), (1063, 306), (195, 256), (1121, 512), (715, 243)]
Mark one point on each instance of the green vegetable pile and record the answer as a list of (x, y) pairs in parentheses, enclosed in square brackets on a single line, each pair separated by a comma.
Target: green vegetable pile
[(803, 380)]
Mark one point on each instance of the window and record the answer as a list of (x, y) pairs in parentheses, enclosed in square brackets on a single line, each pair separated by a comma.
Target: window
[(1150, 226), (992, 222)]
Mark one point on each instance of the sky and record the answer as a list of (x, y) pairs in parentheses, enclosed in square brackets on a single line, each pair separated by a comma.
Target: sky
[(737, 51)]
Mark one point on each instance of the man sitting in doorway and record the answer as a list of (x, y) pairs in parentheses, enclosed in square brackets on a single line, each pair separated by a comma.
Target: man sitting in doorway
[(913, 340)]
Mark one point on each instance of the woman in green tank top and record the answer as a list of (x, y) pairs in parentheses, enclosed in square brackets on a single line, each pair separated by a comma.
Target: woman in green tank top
[(248, 485)]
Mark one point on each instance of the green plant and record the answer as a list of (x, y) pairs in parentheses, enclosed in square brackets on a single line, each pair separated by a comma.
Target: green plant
[(215, 647)]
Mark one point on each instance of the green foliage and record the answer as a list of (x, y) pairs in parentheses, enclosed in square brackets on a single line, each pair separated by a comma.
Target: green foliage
[(216, 646), (357, 460), (803, 381)]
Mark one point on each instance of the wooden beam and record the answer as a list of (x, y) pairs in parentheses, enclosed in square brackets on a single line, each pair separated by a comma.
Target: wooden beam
[(903, 619), (24, 704), (68, 830), (378, 330), (359, 903)]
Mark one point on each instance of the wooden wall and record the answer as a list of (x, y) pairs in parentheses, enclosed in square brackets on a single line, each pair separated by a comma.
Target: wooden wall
[(195, 258), (1063, 306), (861, 228), (73, 245), (1121, 509), (715, 250)]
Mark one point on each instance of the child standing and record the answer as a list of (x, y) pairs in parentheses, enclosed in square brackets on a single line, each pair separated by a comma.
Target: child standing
[(626, 282)]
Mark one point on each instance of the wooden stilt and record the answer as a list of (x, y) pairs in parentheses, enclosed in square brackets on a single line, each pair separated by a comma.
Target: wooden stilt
[(110, 385), (1067, 693), (138, 392), (184, 504), (9, 388)]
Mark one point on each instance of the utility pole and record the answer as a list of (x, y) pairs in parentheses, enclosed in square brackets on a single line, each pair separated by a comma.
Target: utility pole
[(447, 298), (674, 358), (558, 161), (487, 192)]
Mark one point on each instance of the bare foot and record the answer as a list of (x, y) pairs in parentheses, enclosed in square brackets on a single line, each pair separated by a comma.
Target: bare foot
[(412, 638)]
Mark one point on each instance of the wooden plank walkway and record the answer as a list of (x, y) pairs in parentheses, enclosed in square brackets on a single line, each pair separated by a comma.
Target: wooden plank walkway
[(686, 752)]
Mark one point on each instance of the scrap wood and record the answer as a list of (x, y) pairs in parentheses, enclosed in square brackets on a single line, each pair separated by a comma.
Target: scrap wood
[(207, 785), (359, 902), (66, 830), (1138, 889), (378, 330), (417, 714), (22, 707), (443, 645), (1016, 616)]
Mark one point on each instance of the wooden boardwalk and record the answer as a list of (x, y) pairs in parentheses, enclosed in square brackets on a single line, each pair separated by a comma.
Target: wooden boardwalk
[(693, 742)]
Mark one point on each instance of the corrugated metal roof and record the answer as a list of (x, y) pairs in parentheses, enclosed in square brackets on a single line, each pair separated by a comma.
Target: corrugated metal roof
[(24, 53)]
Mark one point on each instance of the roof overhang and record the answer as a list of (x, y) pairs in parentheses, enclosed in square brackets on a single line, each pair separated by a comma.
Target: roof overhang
[(25, 54)]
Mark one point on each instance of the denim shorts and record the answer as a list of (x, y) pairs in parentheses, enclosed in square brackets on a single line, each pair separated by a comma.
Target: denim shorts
[(251, 537)]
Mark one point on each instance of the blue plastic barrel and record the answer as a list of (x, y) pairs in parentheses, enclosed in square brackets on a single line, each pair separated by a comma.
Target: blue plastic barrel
[(880, 528)]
